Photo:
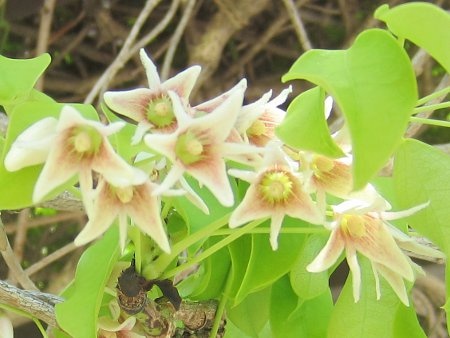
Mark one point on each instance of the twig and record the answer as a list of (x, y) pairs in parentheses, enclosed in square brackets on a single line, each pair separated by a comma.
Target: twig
[(176, 39), (44, 33), (124, 53), (297, 22), (21, 233), (14, 265), (36, 304), (50, 258), (157, 29)]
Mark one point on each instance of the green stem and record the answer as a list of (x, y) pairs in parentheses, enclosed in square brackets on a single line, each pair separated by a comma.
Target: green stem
[(434, 95), (432, 107), (432, 122), (225, 232), (213, 249), (159, 265), (221, 307)]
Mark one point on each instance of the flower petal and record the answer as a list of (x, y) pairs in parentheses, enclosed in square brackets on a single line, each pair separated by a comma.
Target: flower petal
[(396, 282), (275, 227), (150, 69), (130, 103), (353, 264), (183, 82), (32, 146), (329, 254)]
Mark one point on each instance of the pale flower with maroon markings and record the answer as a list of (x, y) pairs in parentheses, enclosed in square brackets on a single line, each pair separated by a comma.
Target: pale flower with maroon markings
[(276, 190), (115, 326), (152, 107), (136, 201), (361, 226), (257, 121), (198, 146), (77, 146)]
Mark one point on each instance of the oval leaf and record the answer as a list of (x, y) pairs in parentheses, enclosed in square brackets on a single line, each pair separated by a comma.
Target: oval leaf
[(373, 82), (425, 24)]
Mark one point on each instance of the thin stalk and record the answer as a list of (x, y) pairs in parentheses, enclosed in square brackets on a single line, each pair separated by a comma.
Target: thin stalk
[(432, 107), (225, 232), (434, 95), (221, 306), (431, 122), (160, 264), (213, 249)]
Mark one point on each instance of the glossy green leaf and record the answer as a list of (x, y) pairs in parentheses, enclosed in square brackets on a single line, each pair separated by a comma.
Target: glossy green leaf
[(216, 270), (425, 24), (305, 126), (19, 77), (421, 175), (77, 315), (305, 284), (370, 317), (240, 251), (293, 317), (252, 314), (266, 265), (373, 83), (23, 116)]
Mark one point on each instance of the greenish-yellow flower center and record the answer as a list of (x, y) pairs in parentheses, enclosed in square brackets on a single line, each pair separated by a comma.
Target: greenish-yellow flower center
[(354, 225), (276, 187), (258, 128), (86, 140), (322, 164), (160, 112), (125, 195), (189, 148)]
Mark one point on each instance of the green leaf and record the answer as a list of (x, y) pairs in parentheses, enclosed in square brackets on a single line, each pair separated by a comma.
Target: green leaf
[(77, 315), (19, 77), (22, 117), (305, 126), (364, 318), (293, 317), (425, 24), (266, 265), (421, 175), (216, 269), (252, 314), (373, 83), (305, 284), (240, 251)]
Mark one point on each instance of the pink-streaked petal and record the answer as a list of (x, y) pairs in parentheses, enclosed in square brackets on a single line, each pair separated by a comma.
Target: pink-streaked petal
[(150, 69), (222, 119), (183, 82), (131, 103), (243, 153), (214, 176), (210, 105), (193, 197), (115, 169), (32, 146), (300, 205), (60, 167), (251, 208), (163, 144), (144, 209), (392, 215), (396, 282), (103, 213), (352, 260), (179, 109), (378, 245), (329, 254), (275, 227), (107, 324), (250, 112)]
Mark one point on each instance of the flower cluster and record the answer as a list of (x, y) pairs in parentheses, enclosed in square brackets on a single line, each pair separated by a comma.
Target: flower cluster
[(211, 142)]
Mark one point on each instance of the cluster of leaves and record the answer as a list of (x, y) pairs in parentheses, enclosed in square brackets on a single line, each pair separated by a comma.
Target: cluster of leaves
[(269, 292)]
